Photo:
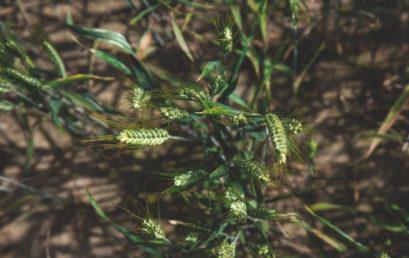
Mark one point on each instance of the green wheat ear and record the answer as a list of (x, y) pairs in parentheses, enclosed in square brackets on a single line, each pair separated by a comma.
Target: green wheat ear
[(153, 229), (225, 250), (189, 177), (263, 213), (278, 137), (193, 93), (216, 74), (293, 126), (5, 85), (174, 113), (143, 137), (264, 251), (238, 210), (226, 39), (24, 79), (55, 59), (295, 10), (253, 169), (239, 120), (6, 106), (140, 98)]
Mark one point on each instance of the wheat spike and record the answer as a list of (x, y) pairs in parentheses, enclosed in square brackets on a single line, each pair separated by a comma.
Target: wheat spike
[(239, 120), (254, 169), (264, 251), (4, 85), (278, 137), (193, 93), (143, 137), (6, 106), (263, 213), (225, 250), (215, 73), (174, 113), (153, 229), (238, 210), (22, 78), (293, 126), (140, 98), (189, 177), (55, 59), (226, 39), (295, 9)]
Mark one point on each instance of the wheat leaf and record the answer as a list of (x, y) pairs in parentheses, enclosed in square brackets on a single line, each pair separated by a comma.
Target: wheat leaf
[(389, 121), (180, 39)]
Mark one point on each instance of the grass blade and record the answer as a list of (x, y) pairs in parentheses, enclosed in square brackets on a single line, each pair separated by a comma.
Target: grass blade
[(360, 247), (180, 39), (389, 121), (112, 60), (106, 36)]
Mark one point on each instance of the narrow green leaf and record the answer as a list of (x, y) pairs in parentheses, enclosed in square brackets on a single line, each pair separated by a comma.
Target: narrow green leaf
[(82, 101), (143, 14), (324, 206), (238, 100), (106, 36), (215, 108), (96, 207), (55, 59), (360, 247), (75, 78), (180, 39), (389, 120), (55, 106), (112, 60), (329, 240)]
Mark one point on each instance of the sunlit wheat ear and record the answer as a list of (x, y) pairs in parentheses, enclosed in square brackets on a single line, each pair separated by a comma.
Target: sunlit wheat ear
[(143, 137), (278, 137), (152, 229), (5, 85), (193, 92), (55, 59), (239, 120), (295, 9), (264, 251), (238, 210), (191, 238), (312, 148), (226, 39), (293, 126), (6, 58), (140, 98), (4, 89), (174, 113), (215, 73), (231, 195), (225, 250), (189, 177), (23, 79), (262, 213), (253, 169), (6, 106)]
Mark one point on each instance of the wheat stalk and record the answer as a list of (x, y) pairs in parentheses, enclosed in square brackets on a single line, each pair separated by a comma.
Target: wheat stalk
[(55, 59)]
